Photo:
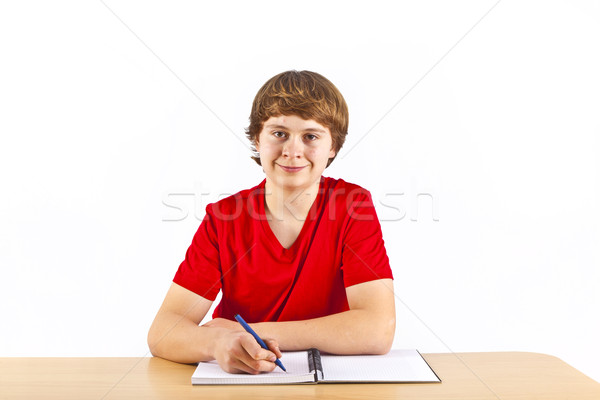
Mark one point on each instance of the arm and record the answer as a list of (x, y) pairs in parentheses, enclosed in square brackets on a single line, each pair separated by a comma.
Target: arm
[(367, 328), (176, 336)]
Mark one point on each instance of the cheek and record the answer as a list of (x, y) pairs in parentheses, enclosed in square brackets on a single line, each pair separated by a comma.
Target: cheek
[(318, 153), (268, 150)]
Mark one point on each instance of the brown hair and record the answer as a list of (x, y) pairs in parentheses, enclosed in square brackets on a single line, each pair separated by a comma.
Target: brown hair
[(303, 93)]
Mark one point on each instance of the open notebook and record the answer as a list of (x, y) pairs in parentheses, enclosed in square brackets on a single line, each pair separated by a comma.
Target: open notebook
[(310, 366)]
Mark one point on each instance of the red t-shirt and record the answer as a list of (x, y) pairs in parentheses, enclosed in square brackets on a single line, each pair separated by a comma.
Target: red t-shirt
[(235, 251)]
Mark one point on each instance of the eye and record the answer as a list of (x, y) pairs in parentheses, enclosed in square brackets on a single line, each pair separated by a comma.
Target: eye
[(279, 134), (311, 137)]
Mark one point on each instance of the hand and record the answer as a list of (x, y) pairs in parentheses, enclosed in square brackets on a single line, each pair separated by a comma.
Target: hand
[(239, 352)]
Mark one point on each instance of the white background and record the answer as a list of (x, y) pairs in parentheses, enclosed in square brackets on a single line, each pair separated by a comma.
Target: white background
[(120, 121)]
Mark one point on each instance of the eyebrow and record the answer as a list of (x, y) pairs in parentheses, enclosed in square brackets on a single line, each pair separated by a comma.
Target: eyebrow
[(276, 126)]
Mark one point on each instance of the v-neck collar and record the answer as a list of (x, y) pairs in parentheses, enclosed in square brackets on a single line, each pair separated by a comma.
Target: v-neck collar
[(279, 250)]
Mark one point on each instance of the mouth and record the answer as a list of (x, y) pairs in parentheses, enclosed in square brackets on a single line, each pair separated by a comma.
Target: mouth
[(291, 169)]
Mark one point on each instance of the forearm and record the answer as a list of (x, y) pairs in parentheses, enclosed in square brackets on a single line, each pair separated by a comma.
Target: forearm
[(350, 332), (178, 339)]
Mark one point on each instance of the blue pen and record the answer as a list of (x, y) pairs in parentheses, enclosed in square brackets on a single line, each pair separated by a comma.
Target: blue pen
[(258, 339)]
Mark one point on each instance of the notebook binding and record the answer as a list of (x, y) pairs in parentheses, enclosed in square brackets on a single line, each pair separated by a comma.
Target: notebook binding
[(314, 363)]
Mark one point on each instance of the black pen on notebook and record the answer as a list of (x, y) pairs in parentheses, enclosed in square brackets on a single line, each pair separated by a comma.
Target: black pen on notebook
[(258, 339)]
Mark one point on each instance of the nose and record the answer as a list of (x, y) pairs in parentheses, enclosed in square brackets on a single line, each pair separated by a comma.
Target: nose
[(293, 147)]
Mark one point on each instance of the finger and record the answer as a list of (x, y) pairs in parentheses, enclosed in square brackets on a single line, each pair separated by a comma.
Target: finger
[(245, 362), (239, 367), (254, 356), (255, 351), (274, 347), (236, 360), (257, 366)]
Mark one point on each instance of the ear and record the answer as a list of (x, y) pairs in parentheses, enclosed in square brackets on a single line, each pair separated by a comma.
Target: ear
[(331, 153), (257, 145)]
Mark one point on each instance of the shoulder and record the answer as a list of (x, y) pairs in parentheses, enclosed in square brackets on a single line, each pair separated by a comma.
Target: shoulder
[(341, 190), (241, 203), (344, 200)]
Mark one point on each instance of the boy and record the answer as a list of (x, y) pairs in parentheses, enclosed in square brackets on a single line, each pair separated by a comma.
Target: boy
[(300, 256)]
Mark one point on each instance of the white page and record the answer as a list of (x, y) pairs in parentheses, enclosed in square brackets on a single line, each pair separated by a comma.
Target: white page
[(396, 366), (296, 364)]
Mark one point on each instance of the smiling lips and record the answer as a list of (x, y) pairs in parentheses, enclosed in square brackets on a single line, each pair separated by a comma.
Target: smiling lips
[(290, 169)]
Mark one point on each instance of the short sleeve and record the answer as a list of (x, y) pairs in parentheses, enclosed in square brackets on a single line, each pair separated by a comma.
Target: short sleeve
[(364, 257), (200, 271)]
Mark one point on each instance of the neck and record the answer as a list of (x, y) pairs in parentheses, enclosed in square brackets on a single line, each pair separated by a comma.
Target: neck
[(282, 203)]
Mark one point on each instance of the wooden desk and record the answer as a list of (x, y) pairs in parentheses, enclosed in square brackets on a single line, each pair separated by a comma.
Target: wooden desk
[(465, 376)]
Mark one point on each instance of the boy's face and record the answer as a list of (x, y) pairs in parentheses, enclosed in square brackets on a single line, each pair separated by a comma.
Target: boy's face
[(294, 151)]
